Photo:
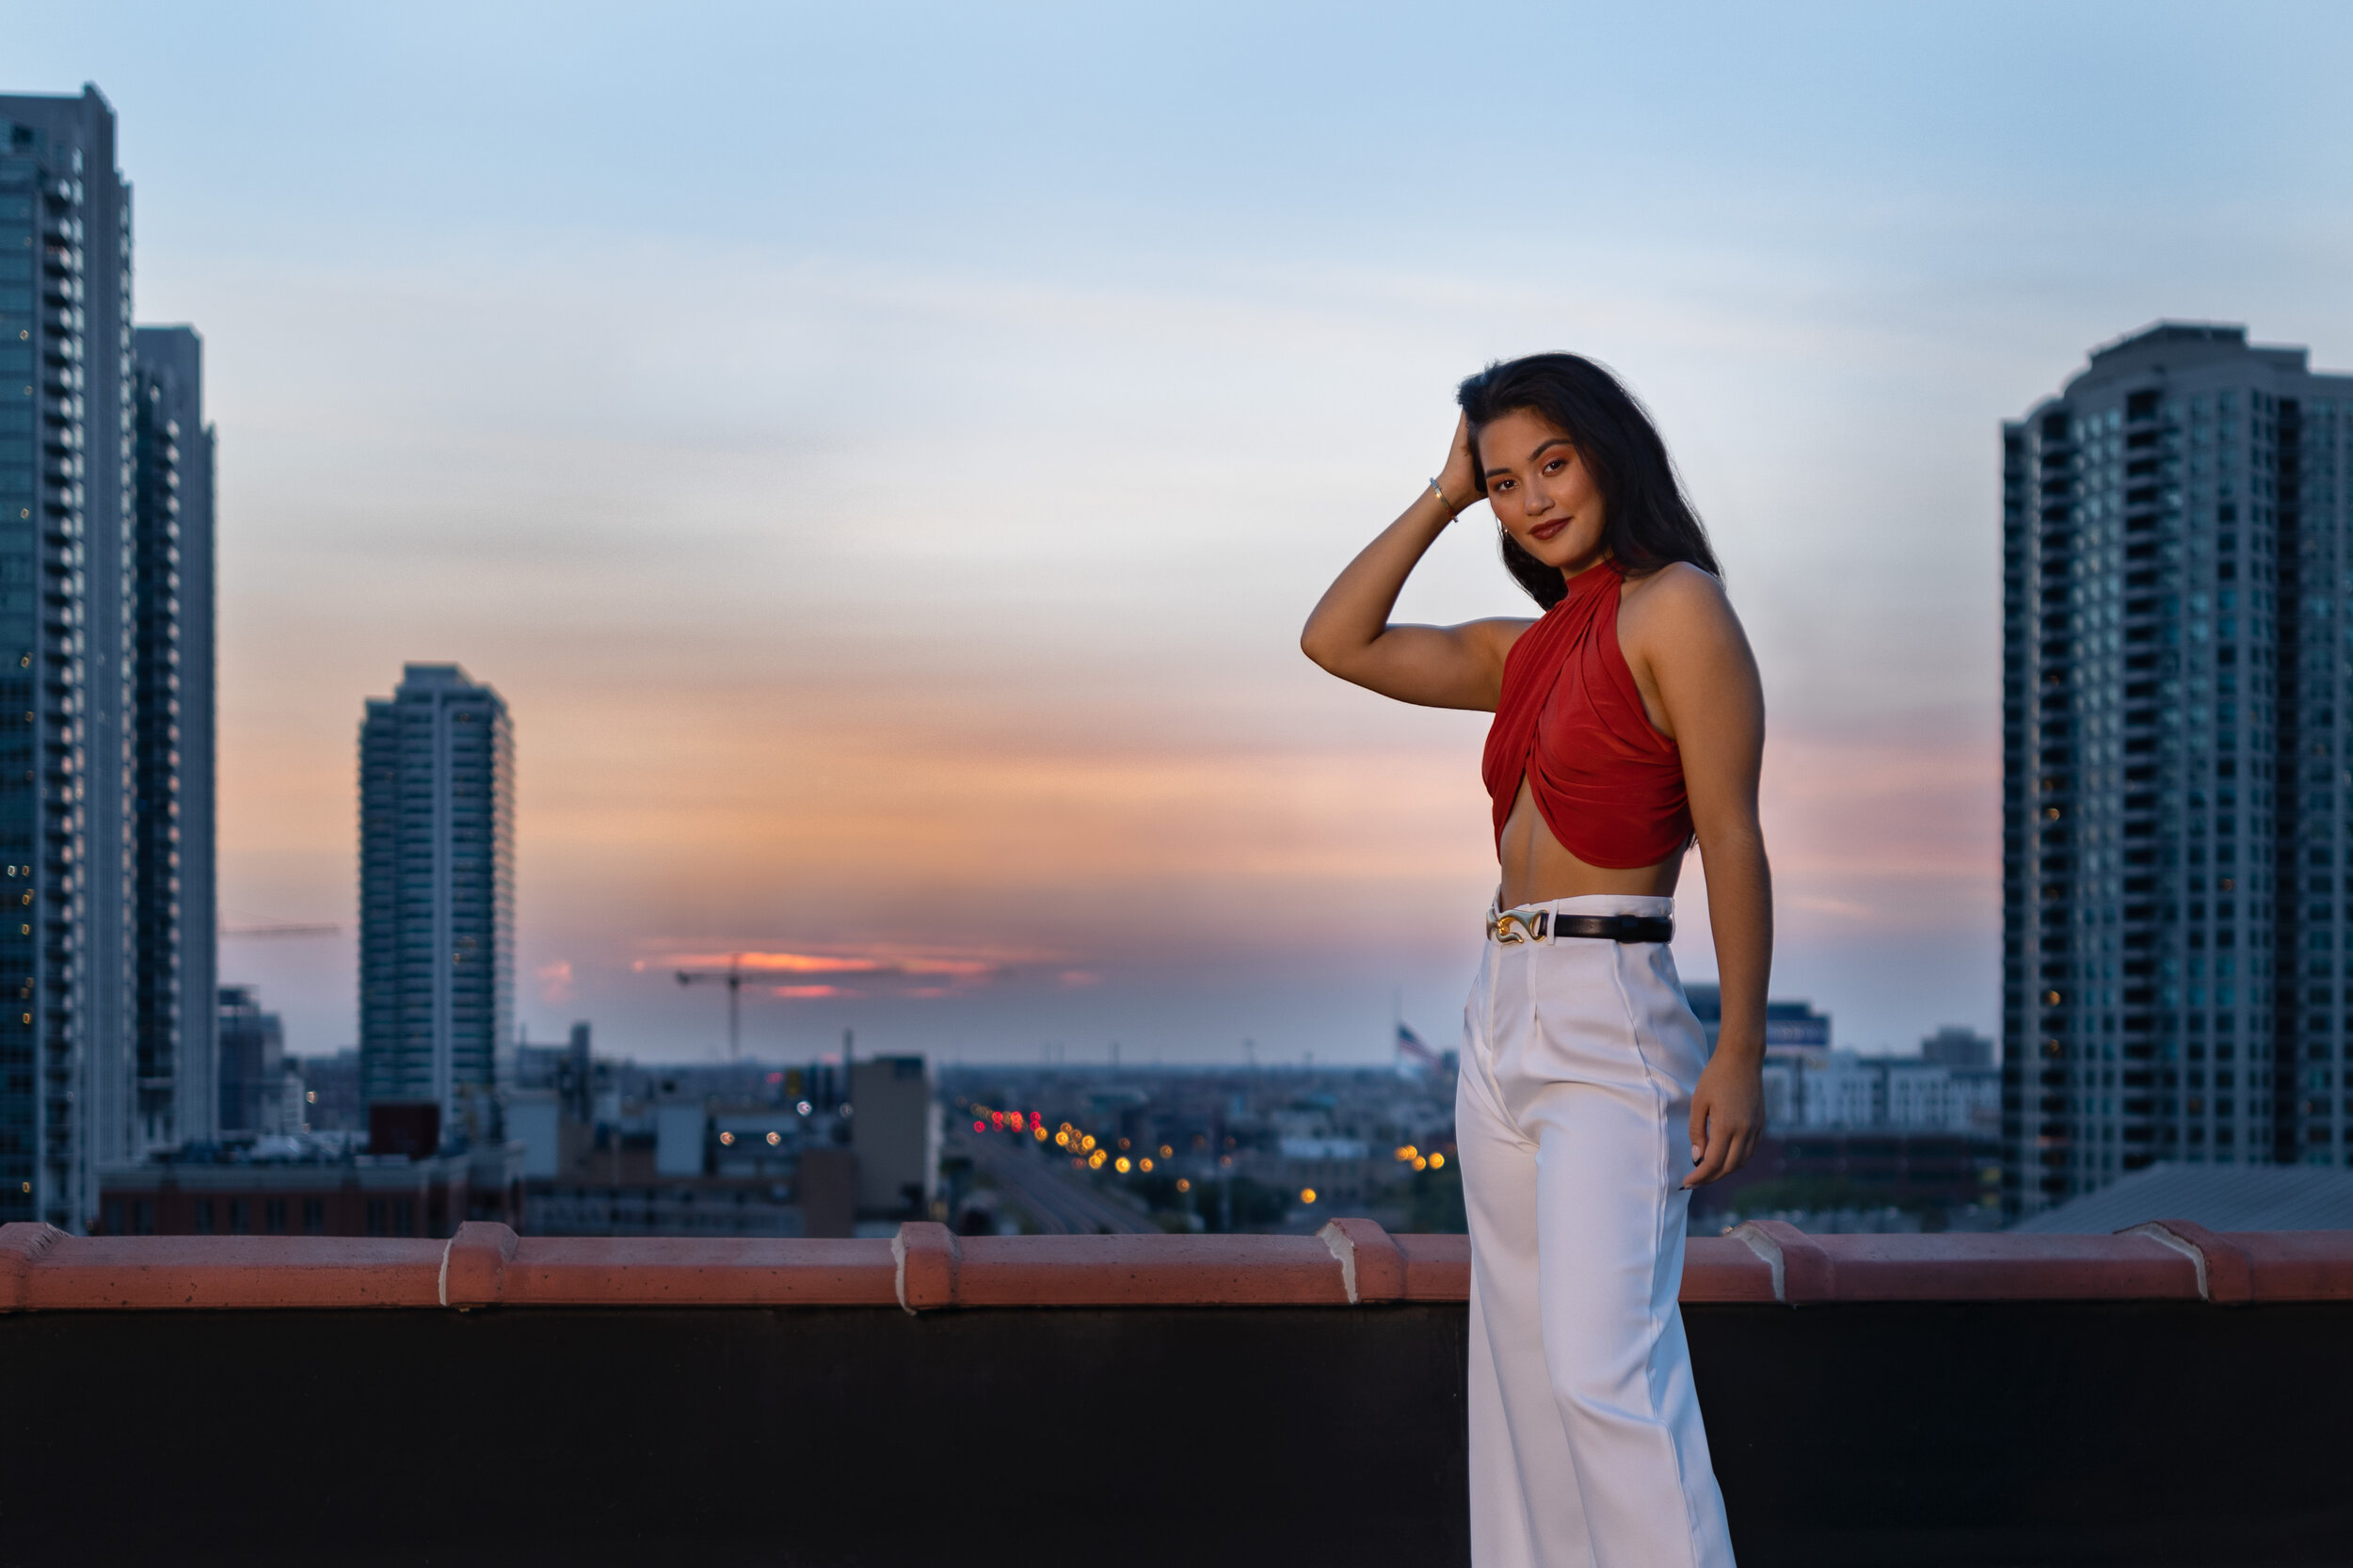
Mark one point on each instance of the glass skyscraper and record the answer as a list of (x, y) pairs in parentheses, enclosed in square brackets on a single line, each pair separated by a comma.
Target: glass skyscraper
[(2177, 701), (167, 588), (104, 1051), (437, 891)]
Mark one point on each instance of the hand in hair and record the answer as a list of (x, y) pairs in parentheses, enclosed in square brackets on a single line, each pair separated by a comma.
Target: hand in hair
[(1437, 667), (1459, 475)]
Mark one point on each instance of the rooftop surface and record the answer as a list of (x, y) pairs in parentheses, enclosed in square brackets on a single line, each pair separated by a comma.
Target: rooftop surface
[(2220, 1198)]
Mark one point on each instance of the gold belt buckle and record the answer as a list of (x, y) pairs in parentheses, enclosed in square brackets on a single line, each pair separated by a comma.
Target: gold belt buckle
[(1508, 929)]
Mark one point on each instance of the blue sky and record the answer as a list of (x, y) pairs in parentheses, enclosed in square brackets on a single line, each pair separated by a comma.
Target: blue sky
[(883, 453)]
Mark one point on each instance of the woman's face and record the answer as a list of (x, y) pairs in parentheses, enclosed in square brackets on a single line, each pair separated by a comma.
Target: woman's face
[(1541, 489)]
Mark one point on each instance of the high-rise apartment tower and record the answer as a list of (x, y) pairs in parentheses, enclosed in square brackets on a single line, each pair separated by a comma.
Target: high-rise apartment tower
[(167, 584), (2177, 700), (105, 1051), (437, 891)]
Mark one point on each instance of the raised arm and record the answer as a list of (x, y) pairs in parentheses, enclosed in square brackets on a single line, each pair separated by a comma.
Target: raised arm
[(1437, 667), (1689, 645)]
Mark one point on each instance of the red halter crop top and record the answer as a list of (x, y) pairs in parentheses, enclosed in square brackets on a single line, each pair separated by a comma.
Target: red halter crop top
[(1571, 721)]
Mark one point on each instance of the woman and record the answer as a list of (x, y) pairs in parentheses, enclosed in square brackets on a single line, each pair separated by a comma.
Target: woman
[(1629, 724)]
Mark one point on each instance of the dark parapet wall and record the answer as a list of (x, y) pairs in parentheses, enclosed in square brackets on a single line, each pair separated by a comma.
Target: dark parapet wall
[(1984, 1434)]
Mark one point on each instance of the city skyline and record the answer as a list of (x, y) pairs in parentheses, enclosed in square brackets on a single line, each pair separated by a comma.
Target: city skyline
[(658, 762), (867, 585)]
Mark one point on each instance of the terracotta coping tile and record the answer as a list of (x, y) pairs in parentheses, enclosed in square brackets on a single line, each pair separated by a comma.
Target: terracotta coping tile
[(2297, 1265), (925, 1258), (474, 1265), (1372, 1269), (21, 1244), (1154, 1271), (2006, 1268), (1971, 1267), (1725, 1269), (2238, 1267), (2220, 1265), (1800, 1268), (1437, 1266), (103, 1272), (557, 1271)]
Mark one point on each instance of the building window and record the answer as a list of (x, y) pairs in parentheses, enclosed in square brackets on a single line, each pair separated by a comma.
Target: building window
[(404, 1216), (377, 1217), (240, 1216), (274, 1216), (315, 1216), (203, 1216)]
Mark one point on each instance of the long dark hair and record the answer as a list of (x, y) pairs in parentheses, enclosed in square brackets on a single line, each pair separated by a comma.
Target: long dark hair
[(1647, 521)]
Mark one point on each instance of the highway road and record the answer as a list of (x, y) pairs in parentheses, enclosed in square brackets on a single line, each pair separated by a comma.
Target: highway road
[(1056, 1201)]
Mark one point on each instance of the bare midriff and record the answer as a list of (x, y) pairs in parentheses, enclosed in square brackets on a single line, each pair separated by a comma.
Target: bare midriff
[(1537, 869)]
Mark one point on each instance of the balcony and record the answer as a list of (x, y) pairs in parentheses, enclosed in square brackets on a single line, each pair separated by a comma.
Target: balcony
[(2165, 1396)]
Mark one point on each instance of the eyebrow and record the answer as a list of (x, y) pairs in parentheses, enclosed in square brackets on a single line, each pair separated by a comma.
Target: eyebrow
[(1542, 448)]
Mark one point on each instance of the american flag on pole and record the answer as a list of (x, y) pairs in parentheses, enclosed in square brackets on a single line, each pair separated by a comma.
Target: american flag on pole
[(1412, 1055)]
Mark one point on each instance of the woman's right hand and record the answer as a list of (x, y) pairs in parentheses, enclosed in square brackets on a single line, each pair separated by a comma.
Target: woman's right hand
[(1459, 476), (1438, 666)]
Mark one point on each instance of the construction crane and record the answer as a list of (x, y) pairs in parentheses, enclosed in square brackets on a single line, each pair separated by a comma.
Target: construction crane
[(733, 975)]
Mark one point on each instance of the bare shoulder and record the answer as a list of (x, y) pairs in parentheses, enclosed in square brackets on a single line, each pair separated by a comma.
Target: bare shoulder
[(1677, 602), (1678, 588)]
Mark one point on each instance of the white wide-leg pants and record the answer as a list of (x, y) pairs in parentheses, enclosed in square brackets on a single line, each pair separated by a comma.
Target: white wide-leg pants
[(1572, 1119)]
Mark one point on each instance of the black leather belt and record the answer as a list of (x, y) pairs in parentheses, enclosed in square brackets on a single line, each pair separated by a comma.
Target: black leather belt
[(1512, 927)]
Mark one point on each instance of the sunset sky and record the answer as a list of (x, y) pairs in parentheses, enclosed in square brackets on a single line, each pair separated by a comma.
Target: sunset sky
[(884, 455)]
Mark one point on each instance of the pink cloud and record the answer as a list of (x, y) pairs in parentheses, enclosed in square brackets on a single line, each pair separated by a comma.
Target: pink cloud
[(898, 970)]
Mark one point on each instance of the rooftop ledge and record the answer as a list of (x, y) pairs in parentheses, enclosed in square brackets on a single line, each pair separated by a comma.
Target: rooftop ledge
[(926, 1268), (1939, 1401)]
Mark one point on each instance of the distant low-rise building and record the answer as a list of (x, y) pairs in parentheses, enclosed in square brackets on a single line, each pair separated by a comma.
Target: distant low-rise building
[(1845, 1089), (1929, 1095), (310, 1185), (740, 1150), (330, 1092), (569, 1070), (894, 1132), (1789, 1025), (1956, 1046), (252, 1071)]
